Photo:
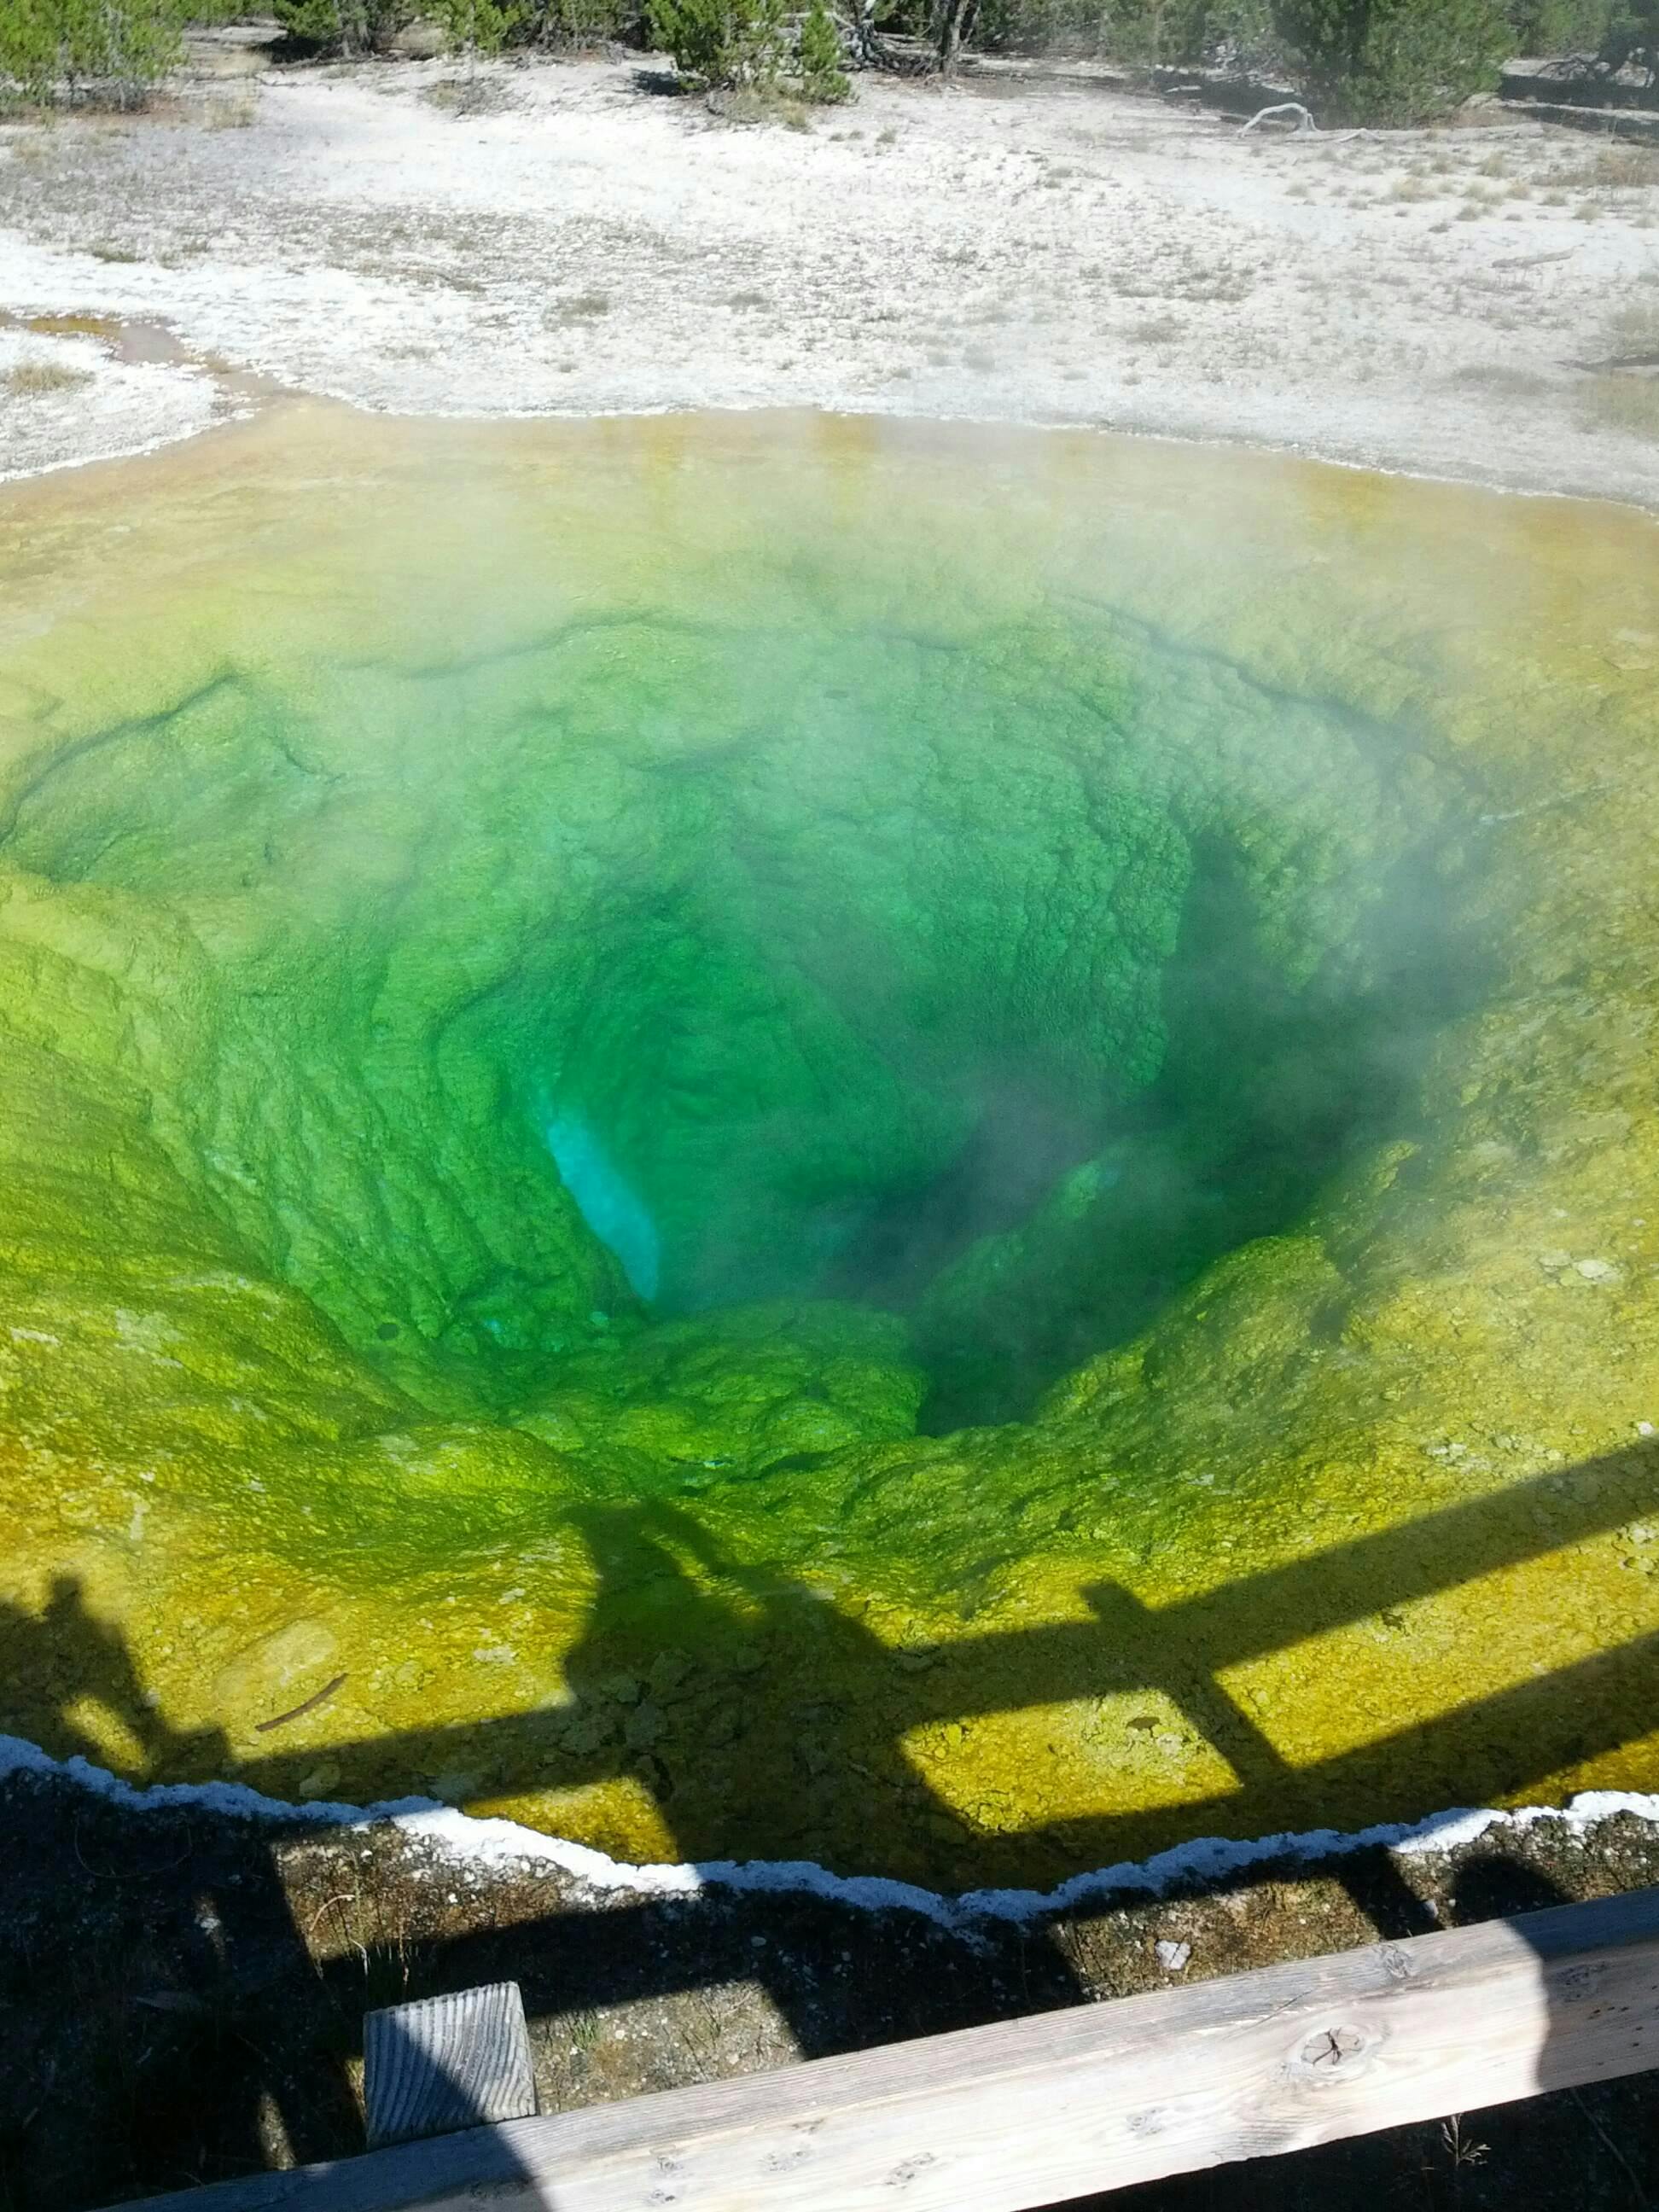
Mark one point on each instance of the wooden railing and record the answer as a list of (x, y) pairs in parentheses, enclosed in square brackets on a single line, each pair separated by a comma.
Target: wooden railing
[(1034, 2112)]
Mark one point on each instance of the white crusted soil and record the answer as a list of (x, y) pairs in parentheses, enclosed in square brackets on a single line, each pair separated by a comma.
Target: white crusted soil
[(68, 398), (412, 237)]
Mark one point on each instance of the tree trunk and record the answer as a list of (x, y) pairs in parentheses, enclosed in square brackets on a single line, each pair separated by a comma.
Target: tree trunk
[(955, 21)]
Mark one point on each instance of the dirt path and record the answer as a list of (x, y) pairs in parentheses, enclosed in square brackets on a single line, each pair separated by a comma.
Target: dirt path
[(558, 237)]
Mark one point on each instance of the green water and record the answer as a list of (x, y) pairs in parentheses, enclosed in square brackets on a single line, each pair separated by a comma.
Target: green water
[(933, 1023), (706, 1045)]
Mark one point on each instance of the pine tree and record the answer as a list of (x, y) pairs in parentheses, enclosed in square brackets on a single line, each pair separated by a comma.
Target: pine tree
[(118, 48), (822, 80), (346, 27), (1634, 37), (1394, 61), (720, 43)]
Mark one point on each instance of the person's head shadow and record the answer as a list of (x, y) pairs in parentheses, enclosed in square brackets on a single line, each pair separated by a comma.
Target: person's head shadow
[(742, 1700), (73, 1684)]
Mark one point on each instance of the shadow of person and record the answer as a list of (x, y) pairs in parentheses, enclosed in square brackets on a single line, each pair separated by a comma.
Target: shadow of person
[(1590, 2115), (764, 1722), (63, 1668), (169, 1937), (760, 1717), (732, 1697), (749, 1717), (1496, 1886)]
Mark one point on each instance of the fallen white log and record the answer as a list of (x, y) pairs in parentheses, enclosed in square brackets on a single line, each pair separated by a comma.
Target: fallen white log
[(1305, 127)]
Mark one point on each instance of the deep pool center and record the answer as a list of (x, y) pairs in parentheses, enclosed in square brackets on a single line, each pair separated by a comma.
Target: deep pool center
[(708, 1046), (674, 1089)]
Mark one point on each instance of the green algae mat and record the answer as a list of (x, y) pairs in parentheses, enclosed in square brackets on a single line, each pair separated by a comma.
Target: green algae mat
[(781, 1138)]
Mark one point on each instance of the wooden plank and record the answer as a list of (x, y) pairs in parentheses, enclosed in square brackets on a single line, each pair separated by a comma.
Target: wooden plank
[(446, 2062), (1059, 2105)]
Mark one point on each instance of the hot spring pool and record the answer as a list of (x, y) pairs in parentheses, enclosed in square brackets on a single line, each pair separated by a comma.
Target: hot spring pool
[(768, 1136)]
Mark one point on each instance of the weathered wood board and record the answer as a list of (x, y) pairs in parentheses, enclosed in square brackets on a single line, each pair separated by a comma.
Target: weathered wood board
[(446, 2062), (1058, 2104)]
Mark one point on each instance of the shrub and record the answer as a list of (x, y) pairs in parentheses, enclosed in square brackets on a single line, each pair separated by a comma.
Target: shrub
[(719, 44), (579, 23), (1558, 27), (1616, 32), (822, 80), (1142, 31), (1633, 36), (480, 27), (1394, 61), (118, 48), (352, 27), (345, 27)]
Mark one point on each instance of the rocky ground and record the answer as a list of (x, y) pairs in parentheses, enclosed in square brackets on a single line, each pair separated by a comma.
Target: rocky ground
[(571, 237)]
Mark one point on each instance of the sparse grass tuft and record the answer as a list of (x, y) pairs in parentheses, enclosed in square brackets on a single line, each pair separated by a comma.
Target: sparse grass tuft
[(759, 105), (467, 95), (33, 379), (580, 307), (237, 113), (1497, 376), (1632, 335), (1223, 283), (1620, 167), (1624, 401)]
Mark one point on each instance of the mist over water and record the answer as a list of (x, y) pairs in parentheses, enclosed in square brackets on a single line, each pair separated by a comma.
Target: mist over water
[(921, 1022)]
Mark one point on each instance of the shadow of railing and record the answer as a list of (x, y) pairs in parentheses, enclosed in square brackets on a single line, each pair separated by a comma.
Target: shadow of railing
[(873, 1696), (656, 1564)]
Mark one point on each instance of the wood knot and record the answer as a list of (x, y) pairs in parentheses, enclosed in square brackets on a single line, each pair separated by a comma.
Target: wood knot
[(1335, 2053)]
